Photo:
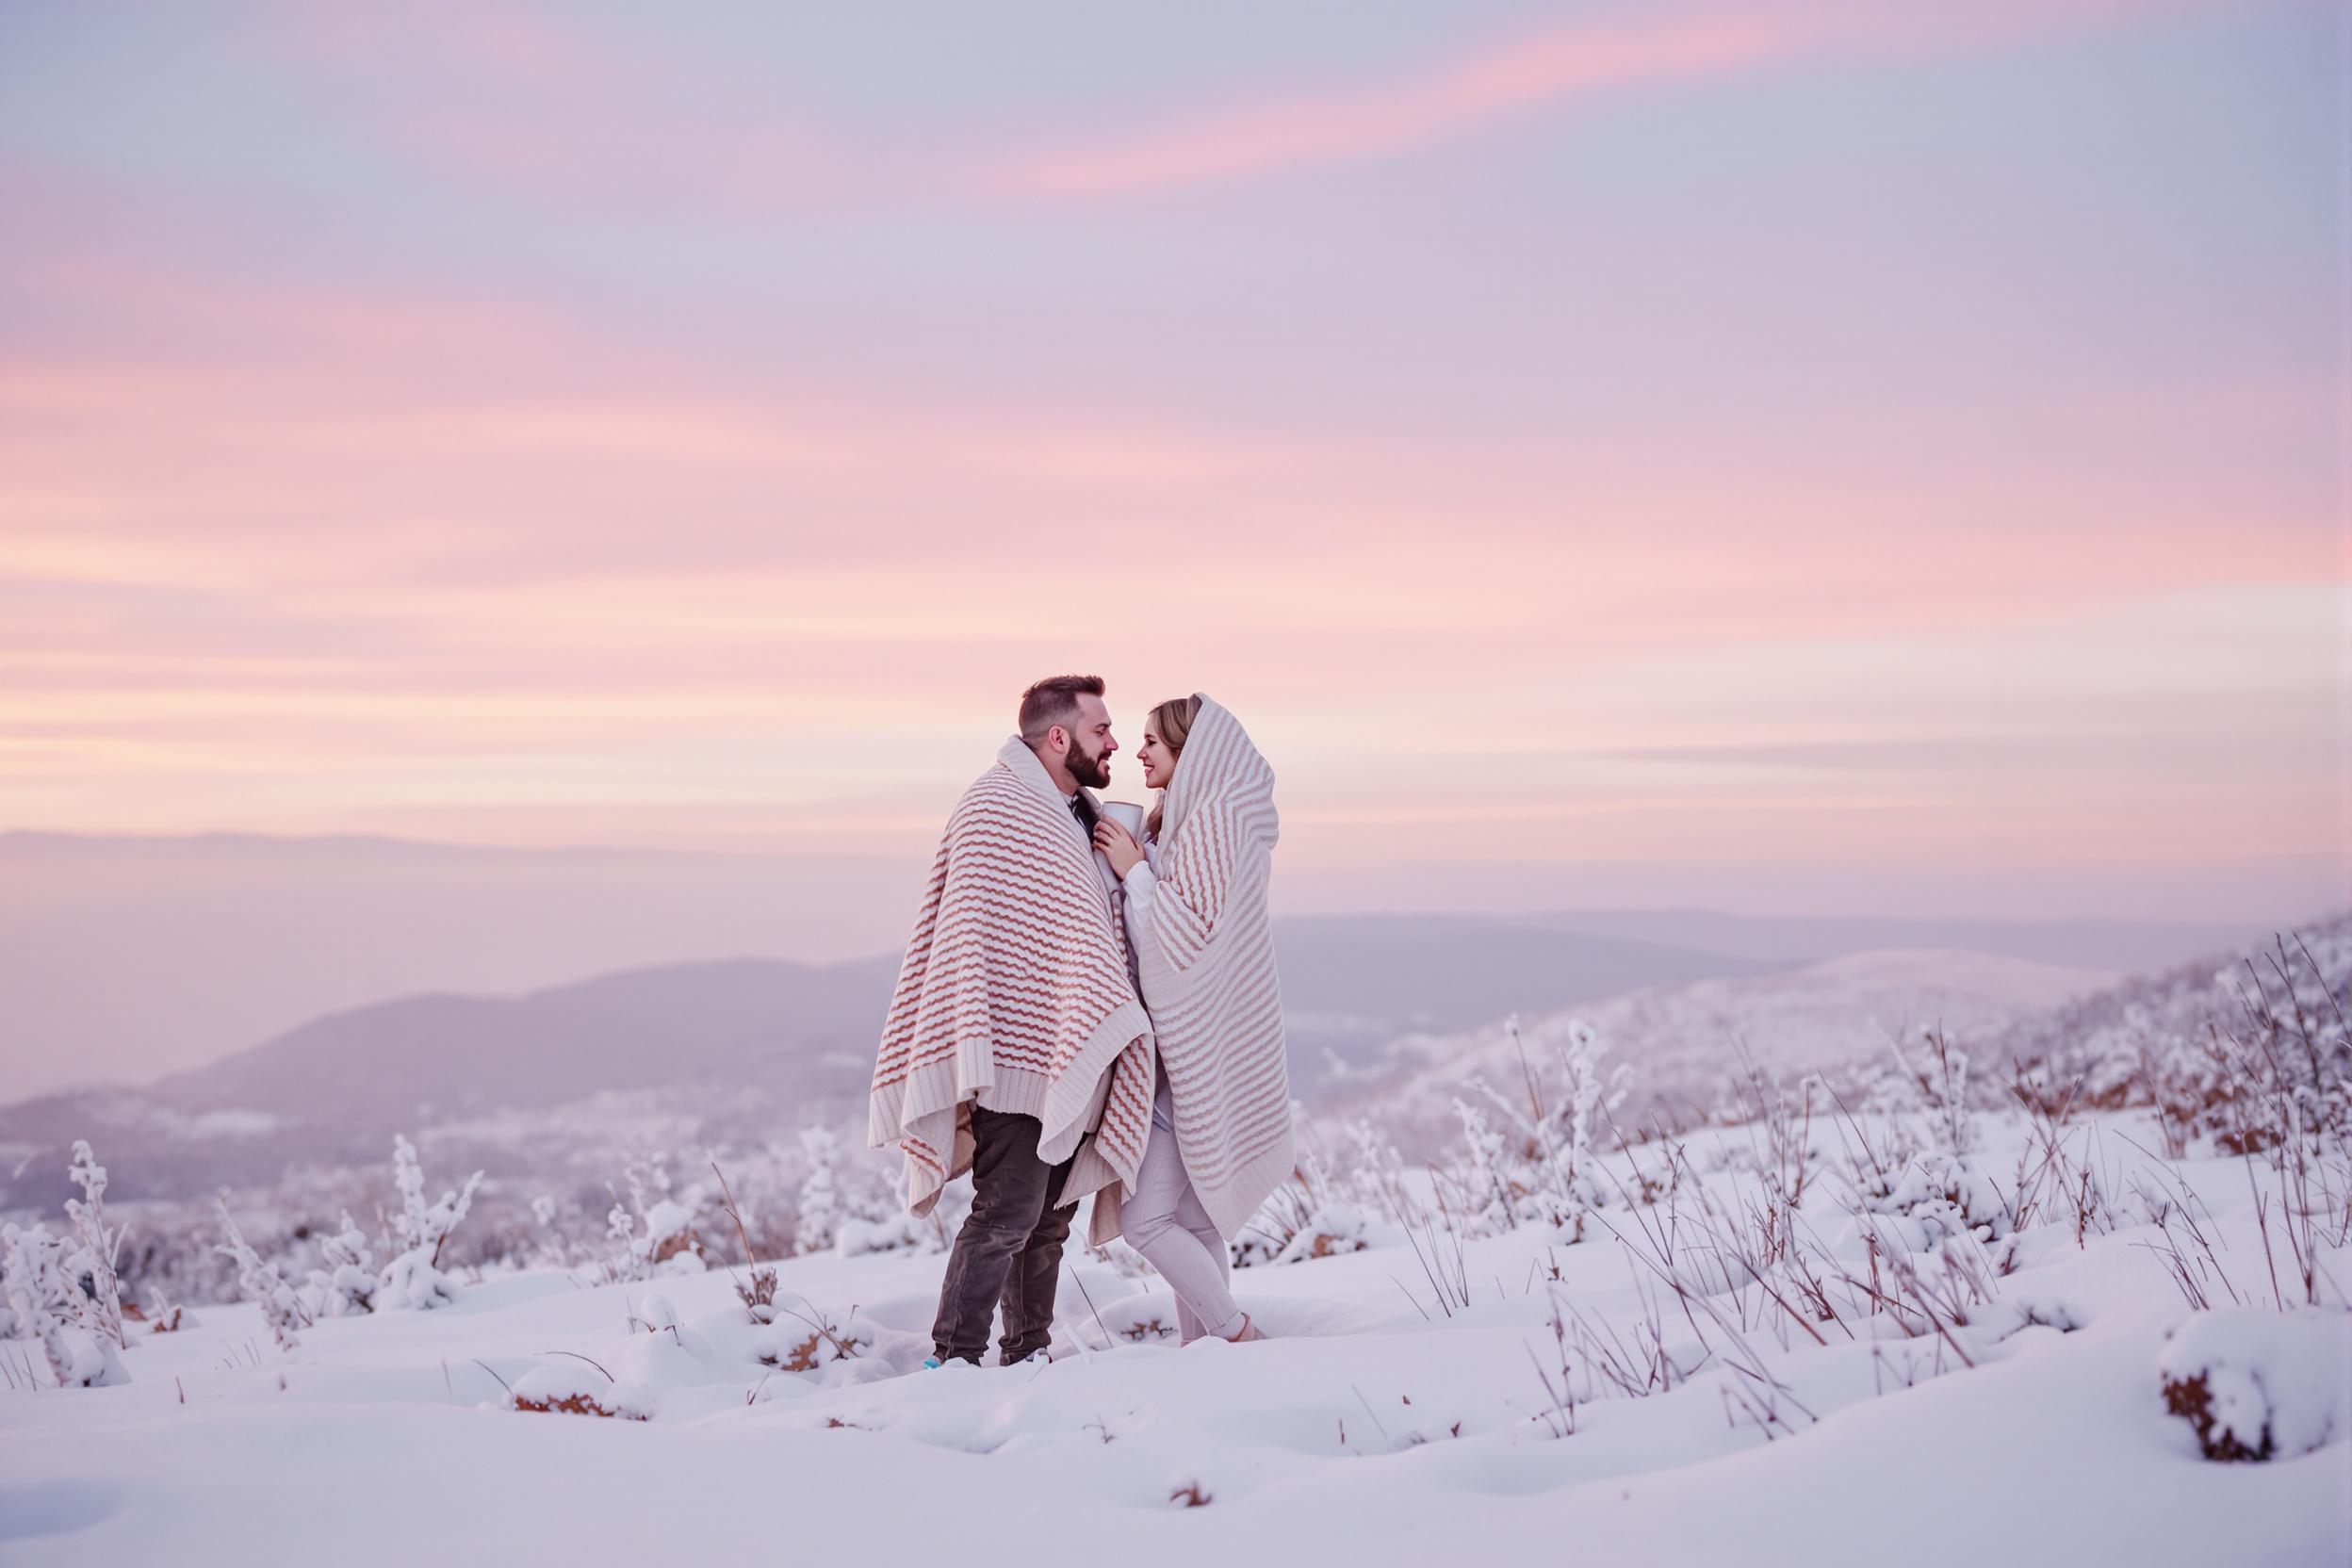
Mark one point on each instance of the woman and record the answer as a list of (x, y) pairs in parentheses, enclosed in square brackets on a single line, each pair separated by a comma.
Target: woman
[(1220, 1138)]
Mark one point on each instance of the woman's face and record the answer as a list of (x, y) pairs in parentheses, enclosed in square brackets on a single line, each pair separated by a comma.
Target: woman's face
[(1159, 763)]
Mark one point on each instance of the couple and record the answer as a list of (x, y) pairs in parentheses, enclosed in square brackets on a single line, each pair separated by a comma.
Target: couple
[(1081, 1011)]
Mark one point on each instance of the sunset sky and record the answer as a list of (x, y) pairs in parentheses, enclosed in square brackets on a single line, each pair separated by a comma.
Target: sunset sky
[(1807, 456)]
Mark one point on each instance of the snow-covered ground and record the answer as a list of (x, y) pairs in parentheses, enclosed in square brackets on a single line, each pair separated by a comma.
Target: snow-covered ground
[(1389, 1420)]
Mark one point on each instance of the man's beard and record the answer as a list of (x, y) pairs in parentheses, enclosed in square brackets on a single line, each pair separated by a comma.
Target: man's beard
[(1094, 772)]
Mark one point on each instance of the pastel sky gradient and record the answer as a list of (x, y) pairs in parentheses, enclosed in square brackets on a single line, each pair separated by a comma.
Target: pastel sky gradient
[(1796, 457)]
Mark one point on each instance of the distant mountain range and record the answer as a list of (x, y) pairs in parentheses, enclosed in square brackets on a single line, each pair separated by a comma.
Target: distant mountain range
[(762, 1045), (126, 959), (116, 938)]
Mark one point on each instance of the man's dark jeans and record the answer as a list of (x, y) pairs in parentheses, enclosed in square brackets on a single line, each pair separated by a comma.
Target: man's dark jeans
[(1010, 1247)]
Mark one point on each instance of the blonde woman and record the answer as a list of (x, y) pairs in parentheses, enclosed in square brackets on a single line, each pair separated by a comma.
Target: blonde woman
[(1196, 913)]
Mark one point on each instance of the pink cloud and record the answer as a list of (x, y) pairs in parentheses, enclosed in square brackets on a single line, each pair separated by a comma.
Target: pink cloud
[(1658, 47)]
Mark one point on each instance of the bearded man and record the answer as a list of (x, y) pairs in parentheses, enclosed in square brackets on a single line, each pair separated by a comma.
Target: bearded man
[(1016, 1047)]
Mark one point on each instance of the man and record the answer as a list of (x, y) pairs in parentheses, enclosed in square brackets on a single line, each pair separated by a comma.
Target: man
[(1016, 1047)]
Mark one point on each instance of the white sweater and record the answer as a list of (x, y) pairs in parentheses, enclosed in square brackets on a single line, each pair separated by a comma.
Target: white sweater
[(1136, 898)]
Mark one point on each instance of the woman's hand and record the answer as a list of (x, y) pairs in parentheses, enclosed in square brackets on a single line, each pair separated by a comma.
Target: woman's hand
[(1117, 846)]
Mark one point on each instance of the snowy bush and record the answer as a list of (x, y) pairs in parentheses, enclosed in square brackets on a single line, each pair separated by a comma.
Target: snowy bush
[(2235, 1057), (165, 1315), (1331, 1230), (1314, 1216), (2260, 1385), (576, 1388), (654, 1231), (101, 1245), (347, 1286), (413, 1278), (1541, 1167), (820, 1214), (280, 1306), (49, 1306)]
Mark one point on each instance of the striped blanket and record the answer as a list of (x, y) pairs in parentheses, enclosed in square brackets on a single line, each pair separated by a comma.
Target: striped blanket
[(1208, 975), (1014, 992)]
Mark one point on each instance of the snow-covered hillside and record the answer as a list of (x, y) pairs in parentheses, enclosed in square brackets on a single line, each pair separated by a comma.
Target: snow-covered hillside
[(1439, 1393), (1682, 1042)]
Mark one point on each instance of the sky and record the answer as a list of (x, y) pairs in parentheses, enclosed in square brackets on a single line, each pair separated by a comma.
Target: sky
[(1797, 457)]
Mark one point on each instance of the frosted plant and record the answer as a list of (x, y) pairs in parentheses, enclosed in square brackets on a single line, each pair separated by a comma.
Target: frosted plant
[(49, 1305), (1591, 1098), (347, 1286), (165, 1315), (625, 1262), (1493, 1193), (553, 1245), (100, 1246), (648, 1180), (670, 1244), (658, 1238), (1934, 1090), (280, 1308), (818, 1225), (414, 1277)]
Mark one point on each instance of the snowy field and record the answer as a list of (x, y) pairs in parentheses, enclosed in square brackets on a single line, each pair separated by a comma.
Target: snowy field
[(1932, 1355)]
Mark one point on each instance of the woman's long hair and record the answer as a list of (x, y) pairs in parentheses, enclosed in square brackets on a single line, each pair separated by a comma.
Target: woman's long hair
[(1173, 720)]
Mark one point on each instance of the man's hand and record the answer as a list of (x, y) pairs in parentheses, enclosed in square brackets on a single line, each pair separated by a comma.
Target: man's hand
[(1117, 846)]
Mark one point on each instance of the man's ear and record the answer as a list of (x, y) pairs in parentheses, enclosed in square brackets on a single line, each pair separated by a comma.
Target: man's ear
[(1057, 739)]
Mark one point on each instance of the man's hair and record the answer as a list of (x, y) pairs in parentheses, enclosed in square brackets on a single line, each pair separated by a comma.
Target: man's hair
[(1054, 701)]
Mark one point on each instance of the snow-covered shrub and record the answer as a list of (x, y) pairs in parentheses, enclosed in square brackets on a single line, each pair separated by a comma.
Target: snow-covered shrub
[(550, 1246), (347, 1286), (654, 1231), (1141, 1319), (413, 1278), (2018, 1310), (1541, 1166), (1493, 1197), (1314, 1216), (101, 1245), (820, 1215), (165, 1315), (2260, 1385), (1913, 1181), (2234, 1058), (1333, 1230), (575, 1388), (280, 1306), (50, 1306), (669, 1239), (804, 1337), (1940, 1195), (755, 1287), (625, 1261)]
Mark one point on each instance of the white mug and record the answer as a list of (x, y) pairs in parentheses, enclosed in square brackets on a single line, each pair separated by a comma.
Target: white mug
[(1128, 816)]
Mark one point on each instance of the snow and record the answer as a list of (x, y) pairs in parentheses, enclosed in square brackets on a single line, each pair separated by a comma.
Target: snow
[(1385, 1421), (2270, 1383)]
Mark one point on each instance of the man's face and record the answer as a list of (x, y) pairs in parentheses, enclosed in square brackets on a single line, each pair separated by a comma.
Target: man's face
[(1088, 757)]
